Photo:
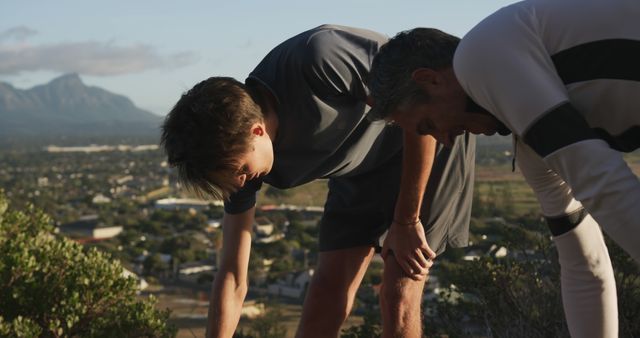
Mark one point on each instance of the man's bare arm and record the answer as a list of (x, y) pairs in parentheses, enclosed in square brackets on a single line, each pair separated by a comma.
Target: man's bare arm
[(230, 284), (406, 236)]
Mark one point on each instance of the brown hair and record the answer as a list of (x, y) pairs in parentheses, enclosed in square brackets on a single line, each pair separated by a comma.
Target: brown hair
[(206, 131)]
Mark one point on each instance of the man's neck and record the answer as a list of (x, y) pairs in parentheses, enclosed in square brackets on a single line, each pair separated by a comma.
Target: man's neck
[(268, 104), (473, 107)]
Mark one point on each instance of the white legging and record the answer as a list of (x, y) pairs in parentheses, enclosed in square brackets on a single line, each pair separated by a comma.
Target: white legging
[(588, 285)]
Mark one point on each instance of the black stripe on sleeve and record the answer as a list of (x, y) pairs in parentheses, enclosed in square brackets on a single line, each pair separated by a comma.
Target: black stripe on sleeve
[(560, 127), (627, 141), (603, 59), (563, 224)]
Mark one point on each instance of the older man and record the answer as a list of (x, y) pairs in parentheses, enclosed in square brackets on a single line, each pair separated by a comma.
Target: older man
[(563, 77)]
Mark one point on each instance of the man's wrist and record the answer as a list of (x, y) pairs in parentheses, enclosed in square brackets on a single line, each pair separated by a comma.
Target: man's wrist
[(407, 222)]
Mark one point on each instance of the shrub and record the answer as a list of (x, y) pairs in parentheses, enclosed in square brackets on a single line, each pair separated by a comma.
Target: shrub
[(51, 287)]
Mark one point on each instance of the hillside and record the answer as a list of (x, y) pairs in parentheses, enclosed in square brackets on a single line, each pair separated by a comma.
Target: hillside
[(67, 107)]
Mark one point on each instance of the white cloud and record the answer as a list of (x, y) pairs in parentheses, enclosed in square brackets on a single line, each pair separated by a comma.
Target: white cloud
[(19, 33), (88, 58)]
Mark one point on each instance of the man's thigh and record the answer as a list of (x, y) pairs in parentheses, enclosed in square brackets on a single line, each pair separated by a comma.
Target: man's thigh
[(343, 267), (332, 291)]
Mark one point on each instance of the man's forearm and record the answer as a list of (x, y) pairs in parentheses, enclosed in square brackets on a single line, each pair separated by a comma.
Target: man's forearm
[(230, 284), (417, 161), (225, 305), (406, 237)]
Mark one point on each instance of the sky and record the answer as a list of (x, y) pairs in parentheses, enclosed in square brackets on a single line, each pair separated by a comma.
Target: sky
[(153, 51)]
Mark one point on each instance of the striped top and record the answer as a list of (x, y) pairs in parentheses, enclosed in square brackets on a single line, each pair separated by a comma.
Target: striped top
[(564, 76)]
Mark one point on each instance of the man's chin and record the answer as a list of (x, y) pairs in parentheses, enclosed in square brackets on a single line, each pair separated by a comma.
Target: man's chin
[(266, 172)]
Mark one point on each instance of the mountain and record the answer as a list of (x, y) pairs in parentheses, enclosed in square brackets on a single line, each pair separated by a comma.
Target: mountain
[(67, 107)]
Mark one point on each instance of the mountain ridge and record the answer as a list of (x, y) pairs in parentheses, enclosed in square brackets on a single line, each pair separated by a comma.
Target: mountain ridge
[(66, 106)]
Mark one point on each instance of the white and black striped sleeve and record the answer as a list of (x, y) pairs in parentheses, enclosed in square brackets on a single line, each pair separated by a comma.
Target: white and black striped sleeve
[(504, 66)]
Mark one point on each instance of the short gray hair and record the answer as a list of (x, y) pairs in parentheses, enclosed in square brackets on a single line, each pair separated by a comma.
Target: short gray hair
[(390, 82)]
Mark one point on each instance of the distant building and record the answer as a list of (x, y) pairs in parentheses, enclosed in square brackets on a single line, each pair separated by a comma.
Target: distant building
[(252, 309), (181, 204), (308, 215), (158, 193), (43, 181), (290, 207), (100, 199), (120, 180), (142, 147), (142, 284), (264, 231), (293, 286), (194, 270), (213, 224), (269, 239), (89, 229), (87, 149), (472, 255), (498, 252), (165, 258), (100, 148), (263, 226)]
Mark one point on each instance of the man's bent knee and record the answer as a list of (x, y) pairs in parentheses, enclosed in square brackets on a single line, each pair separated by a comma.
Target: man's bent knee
[(400, 300), (397, 285)]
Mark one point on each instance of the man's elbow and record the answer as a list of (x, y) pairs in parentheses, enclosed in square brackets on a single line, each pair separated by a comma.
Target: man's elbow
[(228, 283), (241, 290)]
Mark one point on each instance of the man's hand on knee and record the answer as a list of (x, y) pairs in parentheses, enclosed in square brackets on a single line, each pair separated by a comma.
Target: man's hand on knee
[(409, 247)]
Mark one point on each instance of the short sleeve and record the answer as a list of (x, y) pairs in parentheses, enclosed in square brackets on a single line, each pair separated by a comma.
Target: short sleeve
[(243, 199), (337, 62), (503, 66)]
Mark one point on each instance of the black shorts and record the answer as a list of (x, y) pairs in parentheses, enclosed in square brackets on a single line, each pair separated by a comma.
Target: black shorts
[(359, 209)]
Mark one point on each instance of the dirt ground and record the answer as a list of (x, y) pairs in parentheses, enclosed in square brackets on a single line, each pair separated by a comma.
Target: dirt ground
[(189, 312)]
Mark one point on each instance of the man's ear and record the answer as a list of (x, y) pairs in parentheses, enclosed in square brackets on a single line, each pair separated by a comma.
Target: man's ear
[(257, 129), (425, 76)]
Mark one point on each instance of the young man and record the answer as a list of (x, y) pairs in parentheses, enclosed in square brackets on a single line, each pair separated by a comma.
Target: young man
[(302, 116), (563, 77)]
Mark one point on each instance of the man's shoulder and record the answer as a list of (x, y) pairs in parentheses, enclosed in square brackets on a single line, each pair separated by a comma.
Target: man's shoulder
[(324, 41), (485, 47), (330, 32)]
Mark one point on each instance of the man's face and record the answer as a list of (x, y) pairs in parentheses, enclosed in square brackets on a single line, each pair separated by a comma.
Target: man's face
[(427, 119), (444, 114), (257, 162)]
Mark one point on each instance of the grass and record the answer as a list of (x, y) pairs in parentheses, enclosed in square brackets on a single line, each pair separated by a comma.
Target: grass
[(494, 184)]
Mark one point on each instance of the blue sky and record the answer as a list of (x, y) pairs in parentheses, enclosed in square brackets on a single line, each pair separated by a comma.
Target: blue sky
[(152, 51)]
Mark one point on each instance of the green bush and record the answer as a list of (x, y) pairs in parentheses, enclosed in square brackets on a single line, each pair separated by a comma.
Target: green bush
[(520, 296), (51, 287), (514, 296)]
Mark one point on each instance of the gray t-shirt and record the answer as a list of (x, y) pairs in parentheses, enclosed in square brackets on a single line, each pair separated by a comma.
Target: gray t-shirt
[(318, 78)]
